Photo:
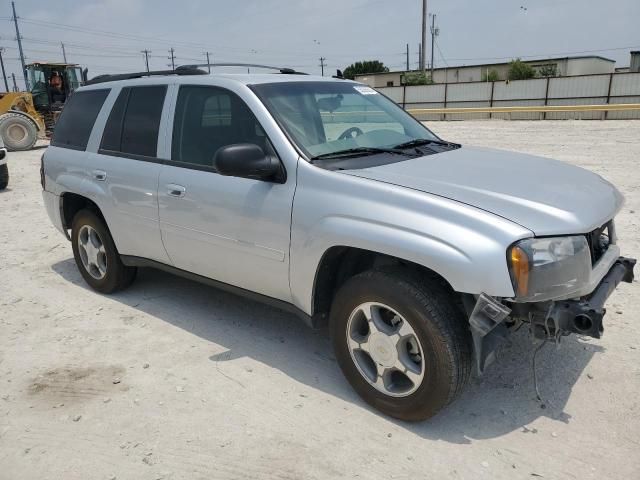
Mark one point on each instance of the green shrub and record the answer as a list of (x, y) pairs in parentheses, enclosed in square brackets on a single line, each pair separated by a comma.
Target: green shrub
[(518, 70), (490, 76), (417, 78)]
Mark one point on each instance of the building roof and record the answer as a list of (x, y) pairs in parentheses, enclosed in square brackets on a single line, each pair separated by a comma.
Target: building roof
[(453, 67)]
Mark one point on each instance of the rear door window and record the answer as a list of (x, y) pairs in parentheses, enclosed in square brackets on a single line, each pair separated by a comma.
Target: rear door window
[(74, 126), (134, 122)]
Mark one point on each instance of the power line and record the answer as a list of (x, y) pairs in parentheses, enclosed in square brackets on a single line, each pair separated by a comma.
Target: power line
[(441, 55), (170, 42)]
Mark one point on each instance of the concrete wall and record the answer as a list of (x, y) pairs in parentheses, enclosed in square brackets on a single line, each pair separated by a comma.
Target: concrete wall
[(577, 90)]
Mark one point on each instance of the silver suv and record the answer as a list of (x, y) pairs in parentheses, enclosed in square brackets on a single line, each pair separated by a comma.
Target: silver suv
[(323, 197)]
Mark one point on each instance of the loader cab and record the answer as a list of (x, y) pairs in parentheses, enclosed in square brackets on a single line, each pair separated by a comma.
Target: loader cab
[(52, 83)]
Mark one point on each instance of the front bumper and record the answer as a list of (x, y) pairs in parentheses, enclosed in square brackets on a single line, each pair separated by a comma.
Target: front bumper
[(584, 316), (549, 320)]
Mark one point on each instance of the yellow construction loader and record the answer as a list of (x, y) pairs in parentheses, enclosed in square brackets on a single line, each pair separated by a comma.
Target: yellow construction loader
[(27, 116)]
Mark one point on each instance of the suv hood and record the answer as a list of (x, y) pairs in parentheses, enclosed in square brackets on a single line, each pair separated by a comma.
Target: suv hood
[(546, 196)]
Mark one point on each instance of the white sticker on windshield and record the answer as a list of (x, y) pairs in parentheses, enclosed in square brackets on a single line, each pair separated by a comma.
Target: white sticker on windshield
[(365, 90)]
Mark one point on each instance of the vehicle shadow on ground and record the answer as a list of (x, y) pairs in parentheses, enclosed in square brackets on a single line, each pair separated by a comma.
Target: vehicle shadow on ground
[(501, 401)]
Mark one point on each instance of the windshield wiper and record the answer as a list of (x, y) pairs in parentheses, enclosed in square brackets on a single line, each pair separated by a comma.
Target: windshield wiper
[(421, 141), (348, 152)]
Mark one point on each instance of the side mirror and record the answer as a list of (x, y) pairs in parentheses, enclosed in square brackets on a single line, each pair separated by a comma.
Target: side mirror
[(246, 160)]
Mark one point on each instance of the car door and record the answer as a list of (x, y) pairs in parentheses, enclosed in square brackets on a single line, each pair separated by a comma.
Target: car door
[(234, 230), (126, 168)]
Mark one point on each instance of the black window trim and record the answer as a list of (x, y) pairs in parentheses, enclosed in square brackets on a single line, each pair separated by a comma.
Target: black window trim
[(189, 166), (104, 128), (79, 148)]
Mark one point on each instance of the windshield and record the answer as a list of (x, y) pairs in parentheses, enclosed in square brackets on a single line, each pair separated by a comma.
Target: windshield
[(327, 117)]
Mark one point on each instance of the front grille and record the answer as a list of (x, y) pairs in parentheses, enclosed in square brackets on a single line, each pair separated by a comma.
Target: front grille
[(599, 241)]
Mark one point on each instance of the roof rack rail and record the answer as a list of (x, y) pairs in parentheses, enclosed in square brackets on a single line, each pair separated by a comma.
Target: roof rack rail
[(283, 70), (153, 73)]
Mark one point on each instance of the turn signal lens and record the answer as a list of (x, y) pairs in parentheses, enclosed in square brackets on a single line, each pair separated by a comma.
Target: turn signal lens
[(520, 270)]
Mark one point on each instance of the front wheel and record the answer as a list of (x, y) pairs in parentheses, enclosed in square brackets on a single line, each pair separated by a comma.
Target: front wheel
[(96, 255), (401, 342)]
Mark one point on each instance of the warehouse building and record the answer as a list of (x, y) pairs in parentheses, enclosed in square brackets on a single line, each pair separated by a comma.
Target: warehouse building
[(563, 67)]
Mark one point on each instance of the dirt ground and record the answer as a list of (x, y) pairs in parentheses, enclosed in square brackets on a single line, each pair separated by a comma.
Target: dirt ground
[(175, 380)]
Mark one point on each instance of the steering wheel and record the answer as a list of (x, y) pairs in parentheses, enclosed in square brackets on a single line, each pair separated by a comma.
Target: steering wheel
[(349, 133)]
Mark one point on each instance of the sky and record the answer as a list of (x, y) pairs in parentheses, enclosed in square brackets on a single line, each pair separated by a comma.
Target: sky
[(107, 36)]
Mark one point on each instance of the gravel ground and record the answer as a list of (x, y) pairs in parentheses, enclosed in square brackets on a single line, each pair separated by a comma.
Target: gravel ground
[(175, 380)]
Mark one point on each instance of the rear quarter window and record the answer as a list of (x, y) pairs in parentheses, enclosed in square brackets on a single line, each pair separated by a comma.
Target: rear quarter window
[(77, 119), (134, 122)]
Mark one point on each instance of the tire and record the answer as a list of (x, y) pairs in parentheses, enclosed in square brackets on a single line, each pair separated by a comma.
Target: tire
[(443, 352), (18, 132), (4, 176), (98, 260)]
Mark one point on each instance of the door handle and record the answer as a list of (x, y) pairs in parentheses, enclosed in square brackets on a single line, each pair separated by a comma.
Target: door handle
[(99, 175), (176, 190)]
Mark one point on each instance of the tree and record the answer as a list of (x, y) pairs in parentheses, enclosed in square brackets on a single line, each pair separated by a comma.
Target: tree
[(549, 70), (364, 67), (518, 70), (417, 78), (490, 76)]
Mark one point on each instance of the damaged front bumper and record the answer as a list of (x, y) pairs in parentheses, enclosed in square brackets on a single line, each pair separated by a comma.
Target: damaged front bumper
[(490, 320)]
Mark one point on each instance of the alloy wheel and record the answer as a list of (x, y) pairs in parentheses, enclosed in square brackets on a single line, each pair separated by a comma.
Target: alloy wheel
[(92, 252), (385, 349)]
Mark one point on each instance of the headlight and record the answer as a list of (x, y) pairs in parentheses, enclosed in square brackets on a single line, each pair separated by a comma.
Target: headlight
[(546, 268)]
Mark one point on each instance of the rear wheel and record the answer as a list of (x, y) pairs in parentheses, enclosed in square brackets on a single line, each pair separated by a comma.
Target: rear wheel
[(401, 342), (96, 255), (19, 133), (4, 176)]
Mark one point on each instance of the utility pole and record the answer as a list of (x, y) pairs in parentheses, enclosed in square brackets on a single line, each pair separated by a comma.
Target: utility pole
[(146, 57), (423, 55), (15, 85), (434, 33), (208, 61), (322, 64), (64, 53), (4, 74), (408, 57), (420, 59), (19, 39), (172, 58)]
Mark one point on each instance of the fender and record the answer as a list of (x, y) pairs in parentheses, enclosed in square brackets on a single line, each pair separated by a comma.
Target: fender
[(463, 244)]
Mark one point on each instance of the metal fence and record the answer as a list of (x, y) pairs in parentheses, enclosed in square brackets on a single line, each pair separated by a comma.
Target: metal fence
[(605, 89)]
